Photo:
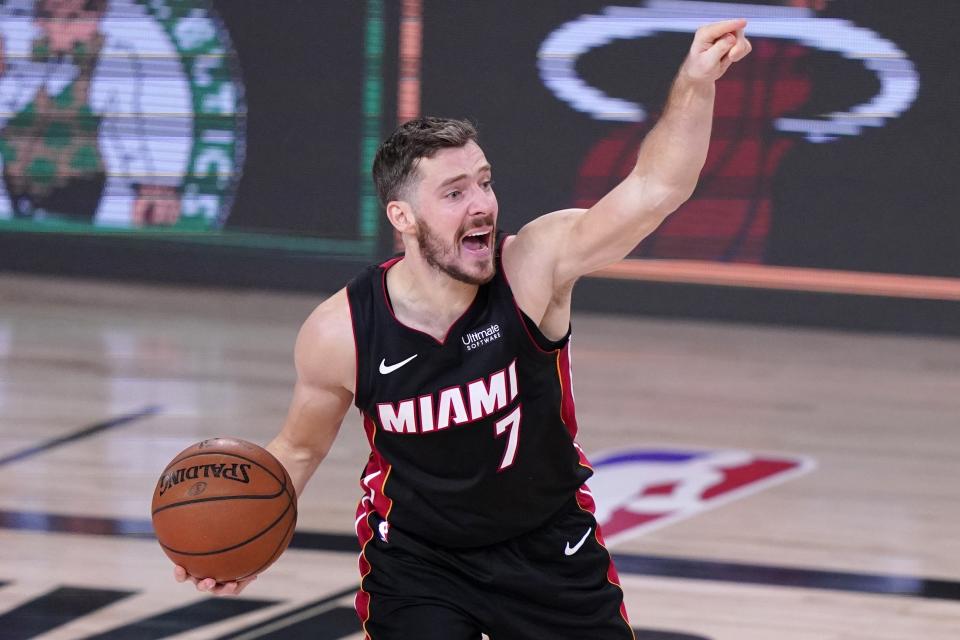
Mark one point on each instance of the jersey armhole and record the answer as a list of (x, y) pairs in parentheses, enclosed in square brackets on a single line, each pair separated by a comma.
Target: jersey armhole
[(540, 341), (360, 391)]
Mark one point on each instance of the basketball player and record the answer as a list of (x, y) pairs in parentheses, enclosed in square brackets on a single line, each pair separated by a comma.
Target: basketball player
[(475, 517)]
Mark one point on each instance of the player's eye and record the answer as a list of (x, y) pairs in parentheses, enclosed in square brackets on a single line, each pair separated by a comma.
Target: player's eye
[(453, 195)]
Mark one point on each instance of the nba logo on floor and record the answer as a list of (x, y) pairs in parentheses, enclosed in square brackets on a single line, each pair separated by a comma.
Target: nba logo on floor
[(638, 490)]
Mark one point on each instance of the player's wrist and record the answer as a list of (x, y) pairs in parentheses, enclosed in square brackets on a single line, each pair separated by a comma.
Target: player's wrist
[(694, 81)]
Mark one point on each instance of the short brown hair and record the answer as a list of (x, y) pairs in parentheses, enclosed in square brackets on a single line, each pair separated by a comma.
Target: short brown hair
[(397, 158)]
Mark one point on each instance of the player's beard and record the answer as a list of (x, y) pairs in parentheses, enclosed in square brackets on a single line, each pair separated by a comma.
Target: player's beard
[(444, 257)]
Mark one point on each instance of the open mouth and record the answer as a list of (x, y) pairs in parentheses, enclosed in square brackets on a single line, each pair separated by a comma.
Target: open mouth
[(477, 241)]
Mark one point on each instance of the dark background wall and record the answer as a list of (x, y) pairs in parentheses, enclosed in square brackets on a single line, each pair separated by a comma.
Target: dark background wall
[(886, 200), (302, 67), (883, 201)]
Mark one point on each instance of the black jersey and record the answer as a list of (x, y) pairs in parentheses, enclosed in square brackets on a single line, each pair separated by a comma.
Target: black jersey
[(471, 437)]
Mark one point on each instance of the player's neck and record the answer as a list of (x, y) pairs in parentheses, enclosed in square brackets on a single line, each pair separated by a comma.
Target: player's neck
[(425, 298)]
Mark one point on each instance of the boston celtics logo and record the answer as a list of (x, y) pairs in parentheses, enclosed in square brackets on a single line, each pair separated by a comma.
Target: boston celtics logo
[(117, 113)]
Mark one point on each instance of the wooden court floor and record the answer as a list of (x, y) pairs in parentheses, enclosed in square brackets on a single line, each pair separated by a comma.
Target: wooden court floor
[(100, 385)]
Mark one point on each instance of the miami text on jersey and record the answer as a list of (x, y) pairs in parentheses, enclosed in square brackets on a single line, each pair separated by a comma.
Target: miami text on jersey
[(453, 405)]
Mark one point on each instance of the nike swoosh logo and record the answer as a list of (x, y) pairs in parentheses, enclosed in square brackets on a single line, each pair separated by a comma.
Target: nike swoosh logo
[(385, 368), (569, 551)]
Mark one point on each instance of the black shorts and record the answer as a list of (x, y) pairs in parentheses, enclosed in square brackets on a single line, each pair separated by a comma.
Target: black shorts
[(556, 582)]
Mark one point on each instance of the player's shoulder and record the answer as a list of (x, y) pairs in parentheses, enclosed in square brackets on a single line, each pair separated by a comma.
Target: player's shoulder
[(325, 350), (539, 239), (546, 227)]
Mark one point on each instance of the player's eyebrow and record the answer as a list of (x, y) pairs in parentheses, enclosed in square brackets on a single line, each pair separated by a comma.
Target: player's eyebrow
[(450, 181), (484, 169)]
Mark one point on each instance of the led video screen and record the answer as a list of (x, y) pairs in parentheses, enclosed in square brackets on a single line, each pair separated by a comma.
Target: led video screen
[(236, 121), (252, 123), (834, 143)]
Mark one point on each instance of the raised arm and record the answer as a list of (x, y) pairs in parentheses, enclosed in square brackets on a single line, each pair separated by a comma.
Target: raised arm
[(564, 245)]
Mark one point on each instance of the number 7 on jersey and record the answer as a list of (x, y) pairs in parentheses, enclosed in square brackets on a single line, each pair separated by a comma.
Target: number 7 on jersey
[(511, 425)]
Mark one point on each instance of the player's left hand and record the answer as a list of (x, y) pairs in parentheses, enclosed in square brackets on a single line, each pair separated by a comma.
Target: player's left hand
[(715, 47), (211, 586)]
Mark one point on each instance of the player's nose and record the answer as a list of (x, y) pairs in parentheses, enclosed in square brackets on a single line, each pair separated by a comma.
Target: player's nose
[(484, 202)]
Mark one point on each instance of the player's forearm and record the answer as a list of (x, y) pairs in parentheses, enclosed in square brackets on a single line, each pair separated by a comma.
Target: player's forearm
[(300, 462), (674, 152), (668, 165)]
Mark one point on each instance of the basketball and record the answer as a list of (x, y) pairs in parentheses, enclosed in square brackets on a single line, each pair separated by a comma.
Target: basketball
[(224, 508)]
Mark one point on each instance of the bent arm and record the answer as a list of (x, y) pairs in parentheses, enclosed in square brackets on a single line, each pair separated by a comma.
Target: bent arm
[(664, 177), (668, 163), (325, 363), (574, 242), (312, 424)]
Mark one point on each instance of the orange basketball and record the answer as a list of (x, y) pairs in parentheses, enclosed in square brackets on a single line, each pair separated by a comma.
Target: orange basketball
[(224, 508)]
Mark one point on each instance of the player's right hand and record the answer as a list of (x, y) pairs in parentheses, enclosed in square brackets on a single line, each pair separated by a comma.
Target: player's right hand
[(715, 47), (209, 585)]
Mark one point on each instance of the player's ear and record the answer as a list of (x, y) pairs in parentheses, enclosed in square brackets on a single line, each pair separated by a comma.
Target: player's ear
[(400, 214)]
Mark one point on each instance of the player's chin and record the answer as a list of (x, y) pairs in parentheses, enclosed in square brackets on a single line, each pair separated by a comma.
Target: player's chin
[(477, 271), (485, 273)]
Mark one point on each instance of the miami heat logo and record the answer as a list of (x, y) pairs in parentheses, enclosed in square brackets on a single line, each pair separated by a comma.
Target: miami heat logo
[(756, 115)]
